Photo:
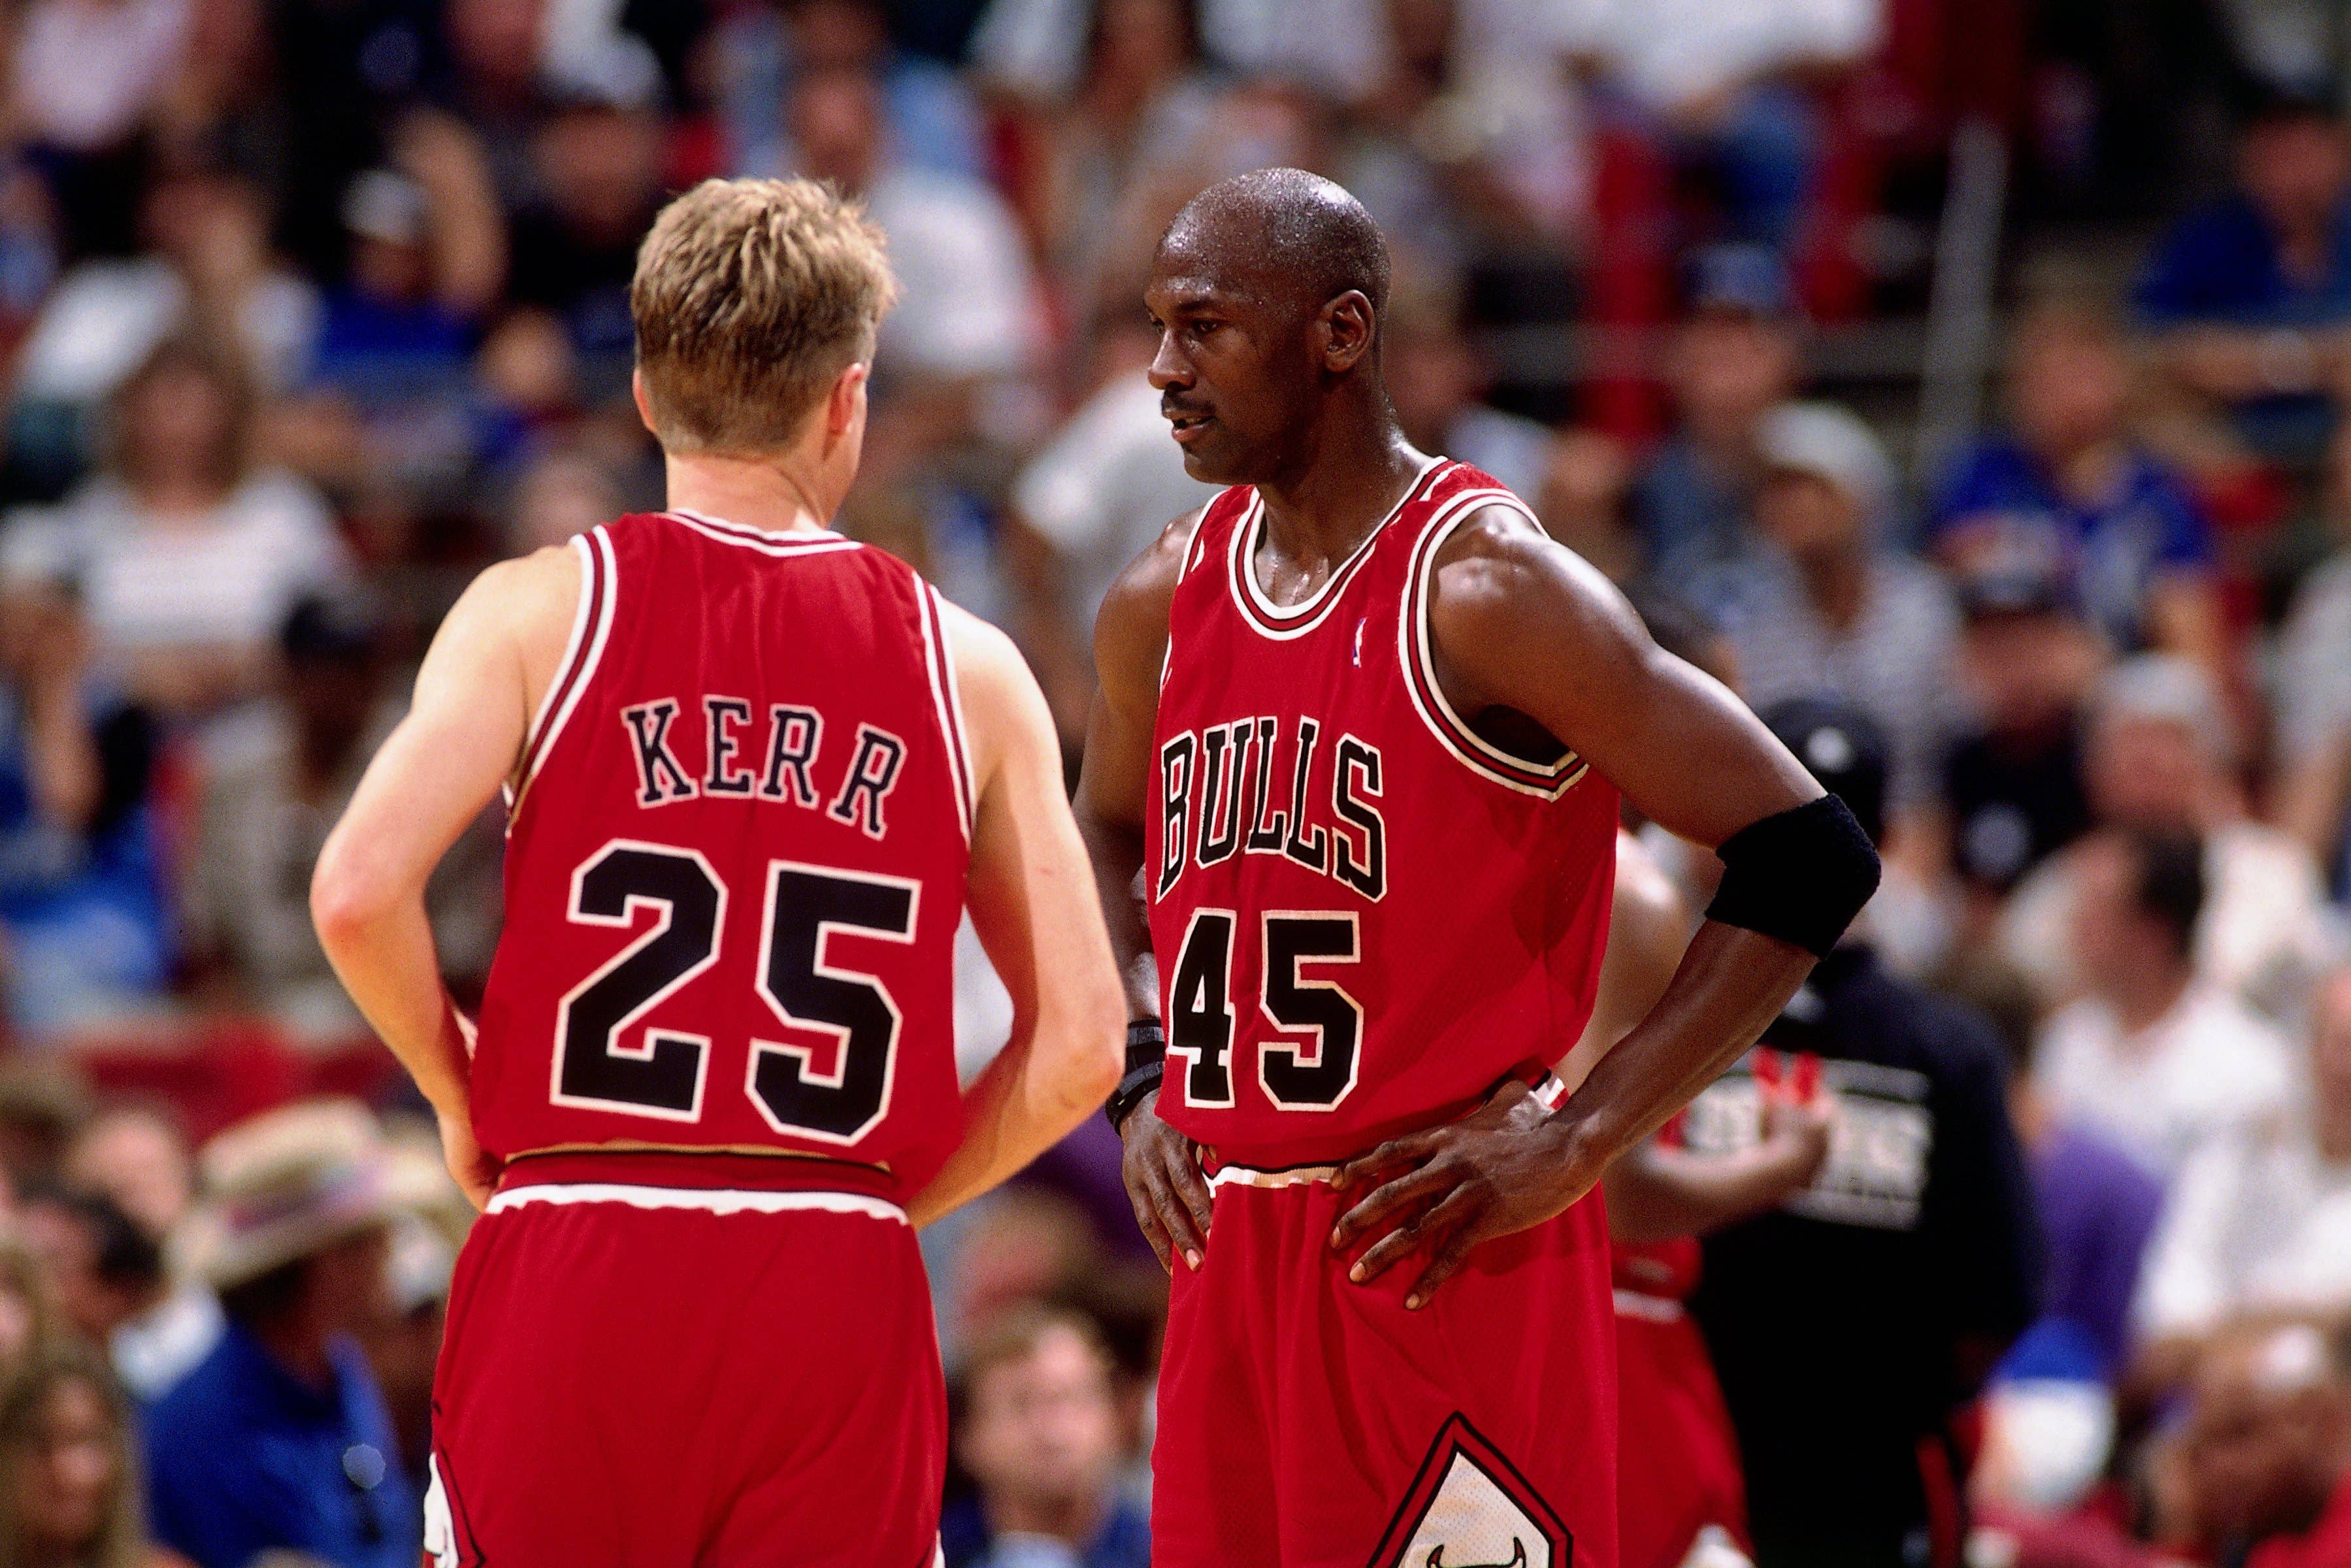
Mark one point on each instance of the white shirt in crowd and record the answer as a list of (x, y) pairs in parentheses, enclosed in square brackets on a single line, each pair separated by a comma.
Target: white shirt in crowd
[(967, 302), (227, 580), (2265, 931), (2257, 1220), (2209, 1068), (85, 72), (1104, 486)]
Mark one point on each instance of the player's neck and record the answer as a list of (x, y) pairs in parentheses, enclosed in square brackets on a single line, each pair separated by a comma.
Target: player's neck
[(777, 494), (1350, 477)]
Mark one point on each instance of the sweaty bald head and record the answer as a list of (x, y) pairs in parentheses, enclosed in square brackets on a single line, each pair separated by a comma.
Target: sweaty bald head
[(1296, 230)]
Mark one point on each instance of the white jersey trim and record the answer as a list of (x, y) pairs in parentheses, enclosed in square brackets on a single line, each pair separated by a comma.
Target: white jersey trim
[(939, 663), (709, 1200), (1249, 1175), (803, 542), (599, 592), (1285, 622), (1416, 648)]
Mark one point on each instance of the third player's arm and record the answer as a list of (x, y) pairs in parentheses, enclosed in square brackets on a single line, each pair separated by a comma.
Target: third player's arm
[(1521, 624), (1029, 900), (1163, 1178)]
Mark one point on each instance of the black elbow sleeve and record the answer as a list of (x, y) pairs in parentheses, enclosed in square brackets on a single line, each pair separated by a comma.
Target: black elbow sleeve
[(1800, 875)]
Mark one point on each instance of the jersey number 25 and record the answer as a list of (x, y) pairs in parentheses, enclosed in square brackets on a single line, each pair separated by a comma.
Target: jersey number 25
[(664, 1074)]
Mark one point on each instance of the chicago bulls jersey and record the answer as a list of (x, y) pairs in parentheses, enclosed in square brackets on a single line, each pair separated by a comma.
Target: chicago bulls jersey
[(1365, 914), (735, 860)]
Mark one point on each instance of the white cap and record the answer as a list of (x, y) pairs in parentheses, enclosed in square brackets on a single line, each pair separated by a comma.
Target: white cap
[(1828, 442)]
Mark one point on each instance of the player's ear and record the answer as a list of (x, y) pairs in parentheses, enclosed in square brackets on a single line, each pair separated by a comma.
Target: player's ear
[(637, 395), (844, 406), (1348, 325)]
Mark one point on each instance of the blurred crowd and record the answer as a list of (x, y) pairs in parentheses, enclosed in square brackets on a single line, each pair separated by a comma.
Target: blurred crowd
[(310, 309)]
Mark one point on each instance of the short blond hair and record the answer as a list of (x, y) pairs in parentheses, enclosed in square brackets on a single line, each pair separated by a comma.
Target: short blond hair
[(750, 298)]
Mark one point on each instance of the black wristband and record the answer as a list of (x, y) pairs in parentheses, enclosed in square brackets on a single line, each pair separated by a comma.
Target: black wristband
[(1799, 875), (1146, 1065)]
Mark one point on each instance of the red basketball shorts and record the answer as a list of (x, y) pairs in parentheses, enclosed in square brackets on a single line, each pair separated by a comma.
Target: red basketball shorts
[(1306, 1422), (641, 1376), (1679, 1473)]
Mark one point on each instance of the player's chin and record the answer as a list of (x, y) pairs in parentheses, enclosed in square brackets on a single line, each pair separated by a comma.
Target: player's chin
[(1210, 457)]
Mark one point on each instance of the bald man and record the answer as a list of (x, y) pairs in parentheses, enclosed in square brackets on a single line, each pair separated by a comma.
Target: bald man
[(1359, 741)]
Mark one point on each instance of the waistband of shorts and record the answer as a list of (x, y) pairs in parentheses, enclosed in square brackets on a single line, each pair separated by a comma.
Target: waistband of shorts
[(697, 1171), (1287, 1162)]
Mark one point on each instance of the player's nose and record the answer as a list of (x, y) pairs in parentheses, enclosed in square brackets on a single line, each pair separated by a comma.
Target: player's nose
[(1167, 366)]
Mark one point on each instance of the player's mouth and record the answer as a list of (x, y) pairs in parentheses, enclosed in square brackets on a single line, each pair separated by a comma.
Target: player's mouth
[(1188, 426)]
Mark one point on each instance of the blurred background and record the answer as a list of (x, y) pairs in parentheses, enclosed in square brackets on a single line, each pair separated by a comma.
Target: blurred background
[(1983, 364)]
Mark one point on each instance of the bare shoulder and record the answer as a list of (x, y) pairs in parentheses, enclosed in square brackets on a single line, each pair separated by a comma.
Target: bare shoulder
[(1502, 591), (1130, 628), (1004, 711), (527, 594)]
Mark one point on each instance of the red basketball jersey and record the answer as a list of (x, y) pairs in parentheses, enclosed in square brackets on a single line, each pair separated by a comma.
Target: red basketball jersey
[(1364, 913), (736, 861)]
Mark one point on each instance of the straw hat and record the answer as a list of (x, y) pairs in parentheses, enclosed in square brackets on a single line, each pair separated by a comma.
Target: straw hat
[(293, 1182)]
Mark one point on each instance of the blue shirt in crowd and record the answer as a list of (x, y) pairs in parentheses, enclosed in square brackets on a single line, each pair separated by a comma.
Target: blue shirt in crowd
[(2223, 264), (243, 1456), (2111, 551), (968, 1542)]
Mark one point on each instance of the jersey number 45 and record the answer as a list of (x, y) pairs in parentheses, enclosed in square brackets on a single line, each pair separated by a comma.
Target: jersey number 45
[(664, 1074)]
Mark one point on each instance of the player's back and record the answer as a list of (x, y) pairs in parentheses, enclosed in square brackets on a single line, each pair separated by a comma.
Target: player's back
[(736, 861)]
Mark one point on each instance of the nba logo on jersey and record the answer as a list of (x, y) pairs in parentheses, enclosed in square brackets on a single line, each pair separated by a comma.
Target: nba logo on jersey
[(1470, 1508)]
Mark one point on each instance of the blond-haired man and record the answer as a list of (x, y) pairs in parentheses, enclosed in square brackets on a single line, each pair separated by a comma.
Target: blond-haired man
[(755, 771)]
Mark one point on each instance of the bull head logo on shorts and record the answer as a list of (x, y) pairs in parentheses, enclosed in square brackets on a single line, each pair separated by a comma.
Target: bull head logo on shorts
[(1470, 1507)]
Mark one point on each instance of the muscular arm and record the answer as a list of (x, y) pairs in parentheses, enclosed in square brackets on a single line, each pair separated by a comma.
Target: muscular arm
[(1526, 632), (461, 739), (1027, 900), (1163, 1180)]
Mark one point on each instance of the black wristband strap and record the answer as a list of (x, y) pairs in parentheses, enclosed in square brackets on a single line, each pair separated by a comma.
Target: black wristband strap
[(1146, 1065)]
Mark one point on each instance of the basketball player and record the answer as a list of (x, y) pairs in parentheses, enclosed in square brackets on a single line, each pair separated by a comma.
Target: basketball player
[(1361, 733), (755, 771)]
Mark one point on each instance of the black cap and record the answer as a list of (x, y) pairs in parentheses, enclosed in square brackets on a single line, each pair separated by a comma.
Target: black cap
[(1844, 749), (339, 627)]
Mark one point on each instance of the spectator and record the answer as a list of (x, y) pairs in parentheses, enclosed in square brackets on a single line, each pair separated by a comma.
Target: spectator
[(2069, 486), (761, 50), (81, 874), (1040, 1436), (137, 1156), (69, 1475), (1136, 120), (1849, 1325), (966, 306), (1587, 483), (2098, 1207), (2313, 688), (1825, 603), (1438, 387), (2155, 1058), (1734, 358), (43, 1106), (1723, 87), (2269, 1447), (2260, 1220), (84, 77), (28, 1313), (2010, 792), (2249, 294), (279, 1437), (1086, 506), (104, 1270), (601, 179), (265, 812), (207, 269), (404, 1343), (186, 555), (2156, 761)]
